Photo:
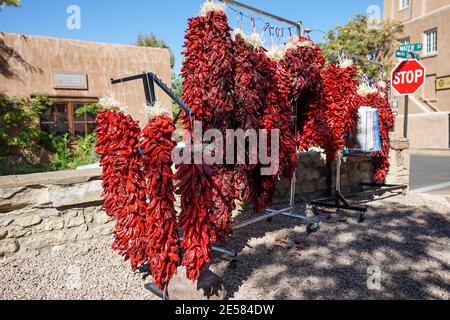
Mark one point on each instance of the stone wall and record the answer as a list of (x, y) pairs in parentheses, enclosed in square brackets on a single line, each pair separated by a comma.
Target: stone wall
[(311, 176), (41, 211)]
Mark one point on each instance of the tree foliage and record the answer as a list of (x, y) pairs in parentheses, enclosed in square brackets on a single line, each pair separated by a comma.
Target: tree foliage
[(150, 40), (361, 37), (177, 87), (6, 3), (19, 131), (91, 109), (25, 148)]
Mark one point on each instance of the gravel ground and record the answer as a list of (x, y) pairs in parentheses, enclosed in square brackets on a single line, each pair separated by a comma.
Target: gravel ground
[(404, 239)]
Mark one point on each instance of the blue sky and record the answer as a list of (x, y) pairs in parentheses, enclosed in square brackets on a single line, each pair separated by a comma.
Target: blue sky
[(121, 21)]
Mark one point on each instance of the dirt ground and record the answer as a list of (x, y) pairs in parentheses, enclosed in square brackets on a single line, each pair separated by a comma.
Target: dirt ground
[(402, 250)]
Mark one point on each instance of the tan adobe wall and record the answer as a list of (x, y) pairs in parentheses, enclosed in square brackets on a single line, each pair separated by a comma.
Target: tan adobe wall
[(29, 63)]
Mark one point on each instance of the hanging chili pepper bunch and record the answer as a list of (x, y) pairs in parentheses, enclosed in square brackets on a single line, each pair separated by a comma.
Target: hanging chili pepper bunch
[(288, 145), (207, 88), (340, 86), (123, 181), (304, 62), (196, 221), (252, 77), (249, 88), (263, 186), (157, 145), (387, 123), (107, 122), (208, 68)]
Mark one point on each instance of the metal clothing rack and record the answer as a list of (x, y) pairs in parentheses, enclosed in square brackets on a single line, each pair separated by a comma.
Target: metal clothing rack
[(150, 79), (342, 202)]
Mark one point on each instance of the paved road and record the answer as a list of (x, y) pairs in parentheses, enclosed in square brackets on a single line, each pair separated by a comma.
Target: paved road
[(430, 171)]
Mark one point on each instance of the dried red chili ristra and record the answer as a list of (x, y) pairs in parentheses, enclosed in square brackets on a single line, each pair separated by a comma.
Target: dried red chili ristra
[(263, 186), (208, 71), (340, 86), (123, 183), (288, 146), (208, 85), (304, 62), (196, 221), (162, 249), (249, 89), (107, 121), (352, 101)]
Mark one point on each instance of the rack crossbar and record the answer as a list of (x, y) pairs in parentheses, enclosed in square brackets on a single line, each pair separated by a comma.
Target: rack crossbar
[(269, 214), (263, 13), (149, 79)]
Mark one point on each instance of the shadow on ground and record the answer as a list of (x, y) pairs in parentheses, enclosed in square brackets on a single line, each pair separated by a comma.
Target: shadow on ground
[(406, 239)]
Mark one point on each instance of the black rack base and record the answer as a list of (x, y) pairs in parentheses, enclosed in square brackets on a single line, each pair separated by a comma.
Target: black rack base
[(341, 202)]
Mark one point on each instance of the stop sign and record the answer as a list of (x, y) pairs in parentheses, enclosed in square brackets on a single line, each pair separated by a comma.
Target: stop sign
[(408, 77)]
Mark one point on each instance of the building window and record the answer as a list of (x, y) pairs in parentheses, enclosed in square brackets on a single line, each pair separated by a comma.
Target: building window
[(431, 41), (83, 125), (61, 119), (404, 4), (55, 119), (405, 41)]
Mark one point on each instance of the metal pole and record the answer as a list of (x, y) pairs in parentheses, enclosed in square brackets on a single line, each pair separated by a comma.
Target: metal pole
[(406, 114), (329, 177), (170, 93), (268, 215), (149, 89)]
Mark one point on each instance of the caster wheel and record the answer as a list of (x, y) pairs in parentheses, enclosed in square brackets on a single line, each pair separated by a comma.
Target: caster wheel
[(362, 218), (270, 220), (233, 264), (312, 227), (315, 210)]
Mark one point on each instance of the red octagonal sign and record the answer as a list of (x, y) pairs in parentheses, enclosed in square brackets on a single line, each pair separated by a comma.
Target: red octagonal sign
[(408, 77)]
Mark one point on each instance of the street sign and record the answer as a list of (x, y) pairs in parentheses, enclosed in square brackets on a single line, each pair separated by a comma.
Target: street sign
[(408, 77), (402, 54), (411, 47)]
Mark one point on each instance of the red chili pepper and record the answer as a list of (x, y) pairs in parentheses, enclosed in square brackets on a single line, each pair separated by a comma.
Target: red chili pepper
[(305, 64), (123, 183), (162, 249), (340, 86)]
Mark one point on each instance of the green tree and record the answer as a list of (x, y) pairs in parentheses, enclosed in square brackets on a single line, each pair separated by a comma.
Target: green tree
[(360, 37), (6, 3), (150, 40), (177, 87)]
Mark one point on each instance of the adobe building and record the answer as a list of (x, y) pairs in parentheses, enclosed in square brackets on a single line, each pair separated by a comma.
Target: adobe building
[(74, 73), (426, 22)]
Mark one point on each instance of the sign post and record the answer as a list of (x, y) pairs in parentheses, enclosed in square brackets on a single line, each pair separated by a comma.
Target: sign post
[(407, 78)]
